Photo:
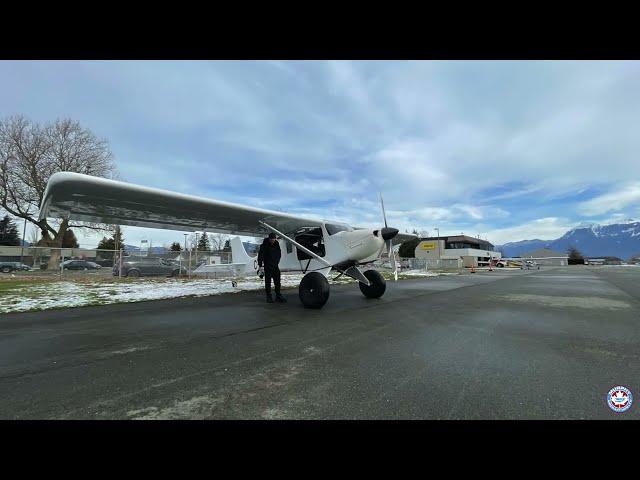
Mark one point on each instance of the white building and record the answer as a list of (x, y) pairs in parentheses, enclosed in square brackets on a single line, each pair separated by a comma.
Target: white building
[(473, 252)]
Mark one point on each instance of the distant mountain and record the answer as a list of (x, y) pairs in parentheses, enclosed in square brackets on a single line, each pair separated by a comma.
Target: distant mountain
[(592, 240), (136, 249)]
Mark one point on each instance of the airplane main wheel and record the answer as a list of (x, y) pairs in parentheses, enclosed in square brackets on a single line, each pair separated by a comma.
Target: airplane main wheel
[(377, 287), (314, 290)]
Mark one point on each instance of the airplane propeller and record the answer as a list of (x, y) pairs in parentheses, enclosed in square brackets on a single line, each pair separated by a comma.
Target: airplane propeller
[(387, 235)]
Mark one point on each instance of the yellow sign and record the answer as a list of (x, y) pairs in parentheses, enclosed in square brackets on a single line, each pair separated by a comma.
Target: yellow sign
[(428, 246)]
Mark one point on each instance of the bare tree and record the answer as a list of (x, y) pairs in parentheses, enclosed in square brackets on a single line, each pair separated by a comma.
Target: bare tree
[(218, 240), (30, 153)]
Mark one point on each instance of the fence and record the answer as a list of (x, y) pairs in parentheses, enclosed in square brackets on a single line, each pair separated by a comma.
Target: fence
[(48, 260), (428, 263), (40, 257)]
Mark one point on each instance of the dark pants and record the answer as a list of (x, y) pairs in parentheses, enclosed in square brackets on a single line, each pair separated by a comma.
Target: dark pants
[(270, 273)]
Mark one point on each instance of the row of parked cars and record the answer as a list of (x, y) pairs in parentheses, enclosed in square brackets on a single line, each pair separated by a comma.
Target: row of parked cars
[(131, 267), (149, 266), (8, 267)]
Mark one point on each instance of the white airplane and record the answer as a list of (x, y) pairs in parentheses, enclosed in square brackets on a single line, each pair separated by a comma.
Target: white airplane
[(314, 247)]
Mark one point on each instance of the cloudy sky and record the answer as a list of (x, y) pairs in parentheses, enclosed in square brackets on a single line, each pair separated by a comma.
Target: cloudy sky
[(510, 150)]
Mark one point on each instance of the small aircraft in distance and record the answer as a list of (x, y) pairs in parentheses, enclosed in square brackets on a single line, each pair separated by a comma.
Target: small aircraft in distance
[(313, 247)]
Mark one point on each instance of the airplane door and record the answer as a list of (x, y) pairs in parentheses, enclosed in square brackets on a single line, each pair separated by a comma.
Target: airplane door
[(313, 240)]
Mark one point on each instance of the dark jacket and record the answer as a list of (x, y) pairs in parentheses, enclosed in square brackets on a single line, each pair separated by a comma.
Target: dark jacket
[(269, 255)]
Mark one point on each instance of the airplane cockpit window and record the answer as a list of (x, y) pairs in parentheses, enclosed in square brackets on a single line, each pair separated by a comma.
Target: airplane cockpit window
[(332, 229)]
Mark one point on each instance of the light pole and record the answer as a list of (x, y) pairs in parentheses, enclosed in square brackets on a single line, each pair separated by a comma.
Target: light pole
[(438, 230)]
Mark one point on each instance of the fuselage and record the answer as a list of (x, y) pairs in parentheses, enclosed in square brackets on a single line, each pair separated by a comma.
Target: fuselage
[(338, 246)]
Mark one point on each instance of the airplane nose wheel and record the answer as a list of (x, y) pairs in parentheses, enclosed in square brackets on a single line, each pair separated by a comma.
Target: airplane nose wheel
[(377, 287), (314, 290)]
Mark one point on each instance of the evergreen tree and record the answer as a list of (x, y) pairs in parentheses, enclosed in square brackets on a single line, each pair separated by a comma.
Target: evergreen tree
[(227, 246), (118, 239), (175, 247), (574, 253), (106, 244), (69, 240), (575, 257), (408, 248), (116, 242), (203, 243), (9, 232)]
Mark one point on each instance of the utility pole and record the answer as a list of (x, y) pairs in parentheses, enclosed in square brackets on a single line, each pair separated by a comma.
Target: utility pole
[(116, 246), (196, 249), (185, 252)]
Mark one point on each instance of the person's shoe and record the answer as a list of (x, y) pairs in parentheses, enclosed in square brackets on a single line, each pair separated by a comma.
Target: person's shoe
[(281, 299), (269, 298)]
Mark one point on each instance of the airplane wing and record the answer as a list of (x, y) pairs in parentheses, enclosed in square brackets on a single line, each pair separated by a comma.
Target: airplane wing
[(100, 200)]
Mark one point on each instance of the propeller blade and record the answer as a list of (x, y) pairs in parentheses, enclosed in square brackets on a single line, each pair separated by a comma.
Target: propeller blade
[(392, 260), (384, 215)]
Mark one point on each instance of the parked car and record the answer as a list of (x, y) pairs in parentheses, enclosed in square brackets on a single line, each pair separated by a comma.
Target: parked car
[(104, 262), (148, 266), (6, 267), (80, 265)]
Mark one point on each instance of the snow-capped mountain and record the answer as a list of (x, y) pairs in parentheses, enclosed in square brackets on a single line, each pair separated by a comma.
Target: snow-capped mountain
[(592, 240)]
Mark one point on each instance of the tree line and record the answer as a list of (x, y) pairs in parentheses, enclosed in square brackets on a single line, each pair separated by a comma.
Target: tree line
[(206, 243)]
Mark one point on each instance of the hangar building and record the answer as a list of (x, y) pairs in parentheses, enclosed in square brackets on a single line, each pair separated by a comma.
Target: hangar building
[(474, 252), (546, 256)]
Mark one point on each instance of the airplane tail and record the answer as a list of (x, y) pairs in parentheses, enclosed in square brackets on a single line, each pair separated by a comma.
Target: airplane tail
[(240, 255)]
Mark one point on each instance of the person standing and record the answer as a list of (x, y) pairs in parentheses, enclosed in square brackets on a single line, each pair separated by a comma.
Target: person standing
[(269, 258)]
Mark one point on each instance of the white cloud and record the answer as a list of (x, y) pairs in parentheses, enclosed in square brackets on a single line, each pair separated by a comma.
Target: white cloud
[(548, 228), (623, 196), (432, 136)]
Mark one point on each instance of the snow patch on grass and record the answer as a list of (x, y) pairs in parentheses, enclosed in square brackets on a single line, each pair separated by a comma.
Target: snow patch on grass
[(49, 295), (33, 296)]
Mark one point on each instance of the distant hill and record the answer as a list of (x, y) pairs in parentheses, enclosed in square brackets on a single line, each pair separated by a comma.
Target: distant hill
[(134, 249), (592, 240)]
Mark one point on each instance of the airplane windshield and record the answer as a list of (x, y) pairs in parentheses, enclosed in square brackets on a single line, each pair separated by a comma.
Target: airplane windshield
[(332, 229)]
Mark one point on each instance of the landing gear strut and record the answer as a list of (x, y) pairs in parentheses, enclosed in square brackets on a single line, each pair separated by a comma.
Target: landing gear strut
[(314, 290), (377, 287)]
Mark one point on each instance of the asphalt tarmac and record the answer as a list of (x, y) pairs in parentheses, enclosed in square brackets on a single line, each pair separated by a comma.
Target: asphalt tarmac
[(545, 344)]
